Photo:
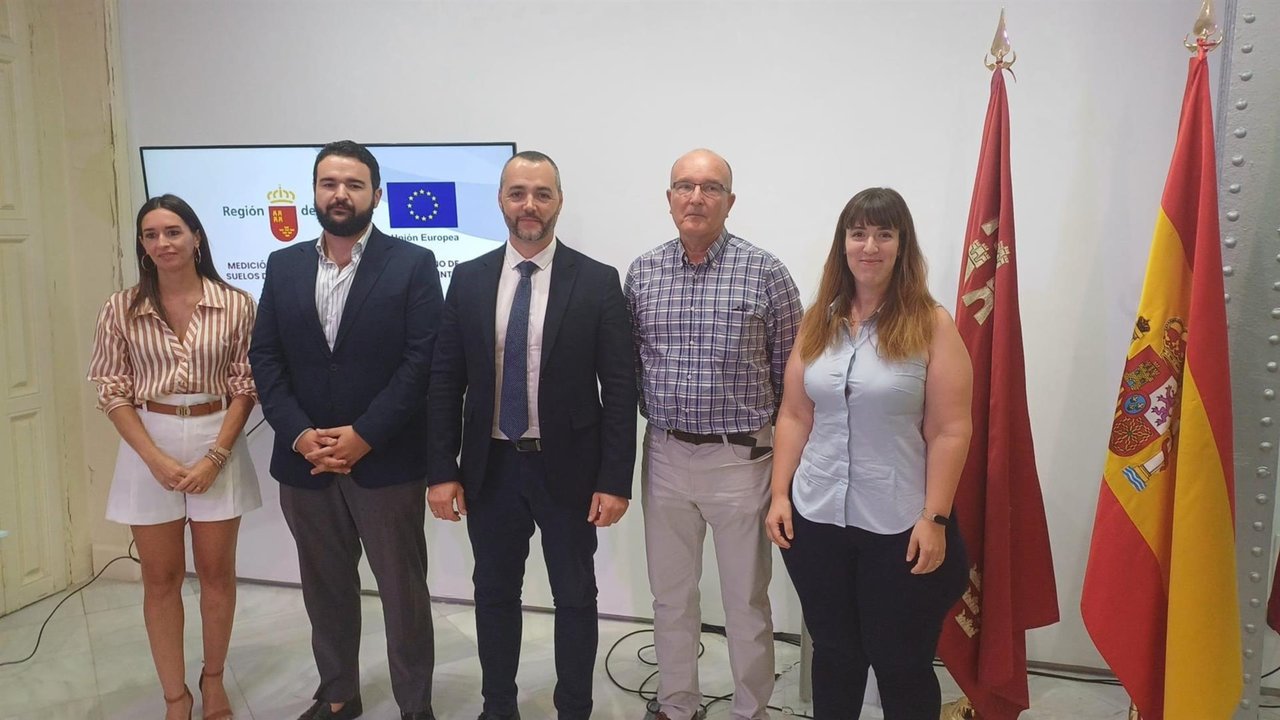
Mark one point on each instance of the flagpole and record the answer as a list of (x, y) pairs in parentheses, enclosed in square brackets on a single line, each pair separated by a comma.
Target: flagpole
[(999, 58), (1205, 35)]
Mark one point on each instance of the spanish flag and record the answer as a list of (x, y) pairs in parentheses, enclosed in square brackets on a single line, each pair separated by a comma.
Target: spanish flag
[(1160, 588)]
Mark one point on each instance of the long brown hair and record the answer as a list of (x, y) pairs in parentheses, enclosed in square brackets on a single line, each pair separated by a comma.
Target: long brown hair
[(905, 322), (148, 286)]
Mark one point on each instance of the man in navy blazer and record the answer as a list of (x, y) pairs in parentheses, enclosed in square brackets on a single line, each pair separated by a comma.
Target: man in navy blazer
[(341, 355), (534, 379)]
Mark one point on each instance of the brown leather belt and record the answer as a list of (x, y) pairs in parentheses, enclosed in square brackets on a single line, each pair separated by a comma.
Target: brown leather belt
[(742, 439), (199, 410)]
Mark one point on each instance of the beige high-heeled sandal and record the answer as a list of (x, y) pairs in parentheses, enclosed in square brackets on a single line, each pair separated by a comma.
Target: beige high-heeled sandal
[(186, 695), (222, 714)]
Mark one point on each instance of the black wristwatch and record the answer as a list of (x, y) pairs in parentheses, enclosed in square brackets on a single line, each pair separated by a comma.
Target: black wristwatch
[(942, 520)]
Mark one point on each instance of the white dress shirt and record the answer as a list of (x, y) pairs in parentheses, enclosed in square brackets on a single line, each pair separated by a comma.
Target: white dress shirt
[(333, 285), (541, 288)]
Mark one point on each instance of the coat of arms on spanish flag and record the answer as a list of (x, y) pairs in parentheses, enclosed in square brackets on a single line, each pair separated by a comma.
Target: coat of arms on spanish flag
[(1159, 595)]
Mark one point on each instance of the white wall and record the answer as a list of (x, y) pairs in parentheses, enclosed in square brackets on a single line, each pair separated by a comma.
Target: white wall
[(809, 101)]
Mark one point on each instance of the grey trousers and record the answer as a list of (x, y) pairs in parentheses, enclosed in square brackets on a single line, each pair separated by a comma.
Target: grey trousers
[(685, 489), (329, 527)]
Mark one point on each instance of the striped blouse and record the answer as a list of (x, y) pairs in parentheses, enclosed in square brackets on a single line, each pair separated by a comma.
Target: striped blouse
[(137, 357)]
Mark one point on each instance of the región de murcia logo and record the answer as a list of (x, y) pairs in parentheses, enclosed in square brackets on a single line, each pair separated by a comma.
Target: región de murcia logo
[(283, 214)]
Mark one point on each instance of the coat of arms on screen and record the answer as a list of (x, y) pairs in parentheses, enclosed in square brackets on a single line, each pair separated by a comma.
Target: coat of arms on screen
[(283, 214)]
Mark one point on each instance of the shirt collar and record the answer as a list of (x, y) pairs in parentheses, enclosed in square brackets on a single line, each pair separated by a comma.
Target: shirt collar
[(713, 252), (542, 259), (213, 295), (356, 251)]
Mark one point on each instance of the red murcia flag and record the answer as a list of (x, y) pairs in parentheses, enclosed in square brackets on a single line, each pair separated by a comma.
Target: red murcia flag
[(998, 505), (284, 222), (1273, 602)]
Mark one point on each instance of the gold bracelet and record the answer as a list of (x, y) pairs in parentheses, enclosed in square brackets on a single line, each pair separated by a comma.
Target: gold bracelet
[(215, 459)]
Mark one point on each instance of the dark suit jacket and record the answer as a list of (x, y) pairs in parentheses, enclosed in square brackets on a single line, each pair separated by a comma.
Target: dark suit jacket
[(586, 389), (375, 378)]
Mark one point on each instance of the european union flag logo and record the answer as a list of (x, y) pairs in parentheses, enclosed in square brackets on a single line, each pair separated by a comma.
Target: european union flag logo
[(422, 204)]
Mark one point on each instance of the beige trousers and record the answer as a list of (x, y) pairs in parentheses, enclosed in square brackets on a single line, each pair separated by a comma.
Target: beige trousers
[(685, 489)]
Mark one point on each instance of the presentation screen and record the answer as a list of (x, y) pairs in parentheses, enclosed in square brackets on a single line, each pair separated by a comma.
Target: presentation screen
[(255, 199)]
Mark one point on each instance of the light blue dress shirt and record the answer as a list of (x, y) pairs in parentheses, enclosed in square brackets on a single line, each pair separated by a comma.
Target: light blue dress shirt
[(864, 464)]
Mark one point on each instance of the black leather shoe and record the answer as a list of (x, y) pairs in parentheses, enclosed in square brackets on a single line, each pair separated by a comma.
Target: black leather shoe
[(422, 715), (492, 716), (351, 710)]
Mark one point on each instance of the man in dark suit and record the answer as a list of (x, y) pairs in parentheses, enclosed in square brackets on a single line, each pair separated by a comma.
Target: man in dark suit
[(341, 356), (537, 338)]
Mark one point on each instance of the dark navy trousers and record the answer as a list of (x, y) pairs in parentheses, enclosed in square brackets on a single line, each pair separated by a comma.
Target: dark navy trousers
[(513, 500)]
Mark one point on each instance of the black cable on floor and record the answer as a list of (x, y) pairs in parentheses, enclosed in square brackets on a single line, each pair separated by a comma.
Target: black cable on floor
[(650, 696), (255, 427), (1074, 678), (40, 635), (128, 556), (1268, 674), (792, 639)]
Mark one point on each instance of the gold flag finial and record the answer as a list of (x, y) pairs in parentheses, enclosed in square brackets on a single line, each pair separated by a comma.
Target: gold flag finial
[(1205, 33), (960, 709), (1001, 55)]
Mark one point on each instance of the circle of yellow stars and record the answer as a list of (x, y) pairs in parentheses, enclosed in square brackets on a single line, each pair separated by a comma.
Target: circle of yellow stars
[(435, 205)]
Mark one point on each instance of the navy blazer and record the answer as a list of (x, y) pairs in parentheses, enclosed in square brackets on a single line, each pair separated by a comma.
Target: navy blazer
[(586, 389), (374, 379)]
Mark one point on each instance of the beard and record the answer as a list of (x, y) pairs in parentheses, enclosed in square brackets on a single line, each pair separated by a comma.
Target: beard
[(354, 223), (531, 236)]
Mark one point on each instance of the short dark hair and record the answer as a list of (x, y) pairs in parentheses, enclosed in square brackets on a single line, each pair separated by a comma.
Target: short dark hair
[(533, 156), (351, 149)]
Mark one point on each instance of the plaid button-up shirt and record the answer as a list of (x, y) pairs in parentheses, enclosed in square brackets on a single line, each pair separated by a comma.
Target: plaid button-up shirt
[(712, 339)]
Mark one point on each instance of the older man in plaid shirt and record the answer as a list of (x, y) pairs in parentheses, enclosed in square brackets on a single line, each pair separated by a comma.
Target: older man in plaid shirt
[(714, 319)]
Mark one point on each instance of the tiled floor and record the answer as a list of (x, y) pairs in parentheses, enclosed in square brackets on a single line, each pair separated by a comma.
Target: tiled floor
[(94, 664)]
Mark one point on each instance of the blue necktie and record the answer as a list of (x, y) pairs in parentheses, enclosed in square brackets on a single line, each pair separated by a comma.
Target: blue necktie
[(513, 418)]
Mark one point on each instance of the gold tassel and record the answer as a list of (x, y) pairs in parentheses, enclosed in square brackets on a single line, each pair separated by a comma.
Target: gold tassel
[(959, 710), (1133, 712)]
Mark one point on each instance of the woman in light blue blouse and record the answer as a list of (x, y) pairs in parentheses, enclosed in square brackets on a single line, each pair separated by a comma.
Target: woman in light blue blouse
[(869, 445)]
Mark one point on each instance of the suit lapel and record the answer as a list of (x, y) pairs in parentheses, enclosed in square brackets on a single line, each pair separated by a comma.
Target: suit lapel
[(376, 253), (564, 270), (486, 298), (306, 287)]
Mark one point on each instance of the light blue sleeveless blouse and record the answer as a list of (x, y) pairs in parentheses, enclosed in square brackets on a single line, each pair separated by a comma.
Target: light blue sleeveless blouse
[(864, 464)]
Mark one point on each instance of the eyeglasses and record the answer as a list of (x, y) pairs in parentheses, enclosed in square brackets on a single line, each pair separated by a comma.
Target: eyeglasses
[(710, 190)]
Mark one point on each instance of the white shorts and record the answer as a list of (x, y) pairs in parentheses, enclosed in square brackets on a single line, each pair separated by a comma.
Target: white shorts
[(137, 498)]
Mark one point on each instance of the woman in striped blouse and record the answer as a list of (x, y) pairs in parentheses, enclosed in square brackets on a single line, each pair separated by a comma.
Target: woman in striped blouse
[(170, 358)]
